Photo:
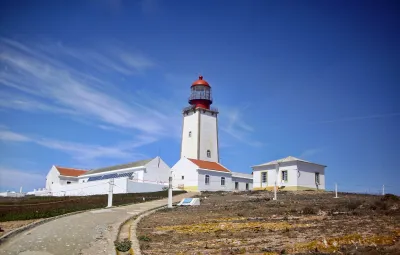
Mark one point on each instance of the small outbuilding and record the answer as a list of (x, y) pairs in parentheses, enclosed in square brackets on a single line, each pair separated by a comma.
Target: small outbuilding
[(200, 175), (289, 173)]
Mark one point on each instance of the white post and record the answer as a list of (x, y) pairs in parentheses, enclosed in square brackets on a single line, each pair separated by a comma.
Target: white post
[(276, 180), (20, 190), (170, 192), (336, 190), (110, 193), (383, 190)]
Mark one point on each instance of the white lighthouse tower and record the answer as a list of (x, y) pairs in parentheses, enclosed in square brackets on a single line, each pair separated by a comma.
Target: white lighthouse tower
[(200, 125)]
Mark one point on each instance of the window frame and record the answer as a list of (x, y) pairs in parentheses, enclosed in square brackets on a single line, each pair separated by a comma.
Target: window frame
[(183, 177), (222, 181), (266, 177), (247, 186), (236, 185), (287, 176), (207, 179), (317, 176), (190, 133), (208, 153)]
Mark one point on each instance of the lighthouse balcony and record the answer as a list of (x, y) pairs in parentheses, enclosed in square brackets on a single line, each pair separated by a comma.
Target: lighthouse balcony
[(193, 108)]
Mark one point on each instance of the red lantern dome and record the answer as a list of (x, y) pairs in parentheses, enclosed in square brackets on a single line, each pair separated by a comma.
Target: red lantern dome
[(200, 96)]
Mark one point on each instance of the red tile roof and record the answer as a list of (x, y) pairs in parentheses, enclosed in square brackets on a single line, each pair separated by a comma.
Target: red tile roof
[(209, 165), (66, 171)]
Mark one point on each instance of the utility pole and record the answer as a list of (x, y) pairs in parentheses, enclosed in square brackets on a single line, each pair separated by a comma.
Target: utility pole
[(110, 193), (276, 179), (383, 190), (336, 190), (170, 191)]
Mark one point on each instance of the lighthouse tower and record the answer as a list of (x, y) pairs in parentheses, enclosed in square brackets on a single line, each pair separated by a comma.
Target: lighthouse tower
[(200, 124)]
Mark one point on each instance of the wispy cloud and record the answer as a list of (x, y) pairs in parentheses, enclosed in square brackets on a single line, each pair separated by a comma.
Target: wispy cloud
[(310, 152), (375, 116), (13, 179), (49, 78), (233, 123), (84, 152)]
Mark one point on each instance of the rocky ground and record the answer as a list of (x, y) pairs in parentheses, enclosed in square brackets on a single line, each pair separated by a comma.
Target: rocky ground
[(9, 226), (298, 223)]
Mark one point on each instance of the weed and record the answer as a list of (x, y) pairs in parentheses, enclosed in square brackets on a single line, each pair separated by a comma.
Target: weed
[(123, 245), (309, 210), (144, 238)]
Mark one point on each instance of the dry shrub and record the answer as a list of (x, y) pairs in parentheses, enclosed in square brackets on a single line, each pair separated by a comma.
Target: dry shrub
[(354, 204), (309, 210)]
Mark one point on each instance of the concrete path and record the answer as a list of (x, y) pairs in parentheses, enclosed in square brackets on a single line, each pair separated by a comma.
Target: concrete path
[(88, 233)]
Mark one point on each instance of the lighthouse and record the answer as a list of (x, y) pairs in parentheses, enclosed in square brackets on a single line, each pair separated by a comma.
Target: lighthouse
[(200, 124)]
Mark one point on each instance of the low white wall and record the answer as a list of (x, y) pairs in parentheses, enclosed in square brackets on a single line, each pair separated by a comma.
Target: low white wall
[(90, 188), (141, 187), (11, 194)]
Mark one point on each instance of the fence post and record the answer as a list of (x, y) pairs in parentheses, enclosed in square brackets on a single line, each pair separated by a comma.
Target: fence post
[(110, 193), (170, 192), (336, 190)]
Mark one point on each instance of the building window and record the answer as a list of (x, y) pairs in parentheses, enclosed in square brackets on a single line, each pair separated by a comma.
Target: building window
[(222, 181), (317, 178), (183, 177), (285, 176), (207, 180), (208, 153), (190, 133), (68, 182), (236, 185), (247, 186), (264, 177)]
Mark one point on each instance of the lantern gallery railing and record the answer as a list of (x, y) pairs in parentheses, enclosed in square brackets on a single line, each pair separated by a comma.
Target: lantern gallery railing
[(189, 108), (195, 96)]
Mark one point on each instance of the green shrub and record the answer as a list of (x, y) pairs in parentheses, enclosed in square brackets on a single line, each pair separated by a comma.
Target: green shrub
[(144, 238), (123, 245)]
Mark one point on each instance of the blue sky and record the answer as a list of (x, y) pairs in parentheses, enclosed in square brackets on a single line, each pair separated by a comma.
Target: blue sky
[(94, 83)]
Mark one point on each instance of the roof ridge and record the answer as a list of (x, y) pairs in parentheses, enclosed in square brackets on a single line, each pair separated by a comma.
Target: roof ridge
[(72, 168)]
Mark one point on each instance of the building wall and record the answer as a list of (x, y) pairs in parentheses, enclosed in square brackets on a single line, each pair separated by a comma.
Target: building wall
[(140, 187), (208, 136), (242, 183), (90, 188), (190, 144), (215, 181), (52, 178), (157, 171), (186, 168), (291, 169), (307, 175)]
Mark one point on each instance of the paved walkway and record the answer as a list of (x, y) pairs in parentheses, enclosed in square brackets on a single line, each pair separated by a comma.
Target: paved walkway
[(88, 233)]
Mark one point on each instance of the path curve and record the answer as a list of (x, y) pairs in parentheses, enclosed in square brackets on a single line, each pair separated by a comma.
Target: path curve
[(87, 233)]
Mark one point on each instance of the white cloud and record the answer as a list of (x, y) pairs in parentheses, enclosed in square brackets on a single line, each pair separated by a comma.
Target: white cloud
[(85, 152), (233, 123), (6, 135), (309, 153), (14, 179), (49, 84)]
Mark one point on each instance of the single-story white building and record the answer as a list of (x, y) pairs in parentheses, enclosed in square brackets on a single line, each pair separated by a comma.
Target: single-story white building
[(200, 175), (291, 173), (140, 176)]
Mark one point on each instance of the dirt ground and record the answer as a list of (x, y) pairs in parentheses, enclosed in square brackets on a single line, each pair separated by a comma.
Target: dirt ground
[(297, 223), (8, 226)]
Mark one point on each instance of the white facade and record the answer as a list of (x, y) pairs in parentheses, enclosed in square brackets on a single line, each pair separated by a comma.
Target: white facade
[(290, 173), (200, 135), (189, 176), (54, 177)]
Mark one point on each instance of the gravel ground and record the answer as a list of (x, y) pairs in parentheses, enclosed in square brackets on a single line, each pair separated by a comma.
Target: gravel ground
[(298, 223)]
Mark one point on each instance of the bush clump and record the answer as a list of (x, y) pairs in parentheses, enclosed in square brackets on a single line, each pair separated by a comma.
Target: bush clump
[(309, 210), (123, 245)]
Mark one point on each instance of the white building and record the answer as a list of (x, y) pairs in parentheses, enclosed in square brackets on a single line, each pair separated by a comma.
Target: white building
[(140, 176), (62, 176), (199, 168), (200, 175), (290, 173)]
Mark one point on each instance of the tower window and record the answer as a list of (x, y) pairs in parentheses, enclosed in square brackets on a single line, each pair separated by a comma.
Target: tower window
[(183, 177), (190, 133), (207, 180), (208, 153)]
